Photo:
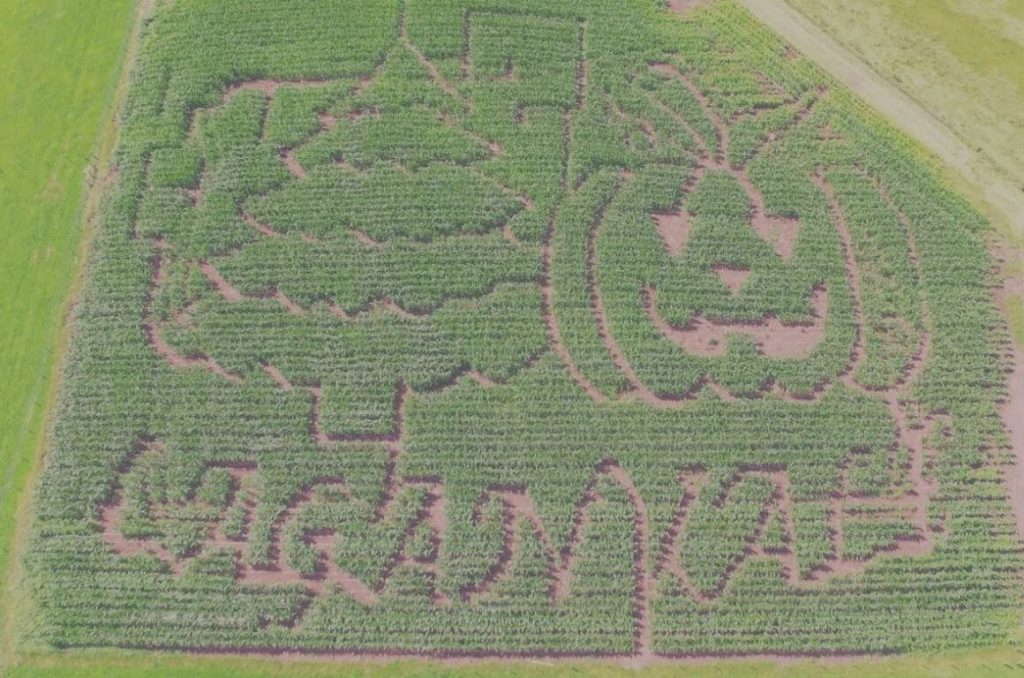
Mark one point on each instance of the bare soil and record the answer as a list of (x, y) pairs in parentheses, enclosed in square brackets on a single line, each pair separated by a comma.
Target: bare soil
[(262, 228), (222, 286), (674, 229), (1012, 408), (709, 337), (292, 164), (152, 325), (732, 277), (1013, 415), (685, 6), (365, 238)]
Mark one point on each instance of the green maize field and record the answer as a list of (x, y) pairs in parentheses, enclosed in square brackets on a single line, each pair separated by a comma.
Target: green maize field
[(499, 328)]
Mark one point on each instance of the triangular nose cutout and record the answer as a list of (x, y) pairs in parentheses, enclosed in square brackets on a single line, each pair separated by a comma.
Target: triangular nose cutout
[(674, 229), (732, 277)]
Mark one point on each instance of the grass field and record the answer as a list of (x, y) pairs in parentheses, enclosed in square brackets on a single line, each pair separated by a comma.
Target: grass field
[(59, 63), (343, 418)]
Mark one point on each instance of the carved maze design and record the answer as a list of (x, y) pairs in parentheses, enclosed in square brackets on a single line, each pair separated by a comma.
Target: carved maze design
[(513, 336), (699, 337)]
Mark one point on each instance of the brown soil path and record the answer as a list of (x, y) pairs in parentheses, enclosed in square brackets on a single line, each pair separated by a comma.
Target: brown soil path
[(152, 326), (1012, 407), (674, 228), (1013, 415), (519, 506), (551, 319), (266, 86), (292, 164), (427, 64), (780, 232), (709, 337), (685, 6), (732, 277), (327, 576)]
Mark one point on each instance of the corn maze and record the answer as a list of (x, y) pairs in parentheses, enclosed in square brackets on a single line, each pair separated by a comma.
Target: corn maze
[(520, 327)]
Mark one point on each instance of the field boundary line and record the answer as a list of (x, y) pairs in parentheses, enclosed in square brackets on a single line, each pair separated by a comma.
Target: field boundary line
[(14, 597)]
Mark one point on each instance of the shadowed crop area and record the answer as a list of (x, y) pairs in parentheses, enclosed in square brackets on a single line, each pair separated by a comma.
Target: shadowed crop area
[(493, 327)]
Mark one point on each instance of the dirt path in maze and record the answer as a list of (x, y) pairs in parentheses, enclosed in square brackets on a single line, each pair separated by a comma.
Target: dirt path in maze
[(1012, 408), (685, 6), (1013, 415), (708, 337), (701, 336)]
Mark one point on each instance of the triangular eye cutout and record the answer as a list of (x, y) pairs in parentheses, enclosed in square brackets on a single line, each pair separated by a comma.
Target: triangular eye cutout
[(779, 232), (732, 277), (674, 229)]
